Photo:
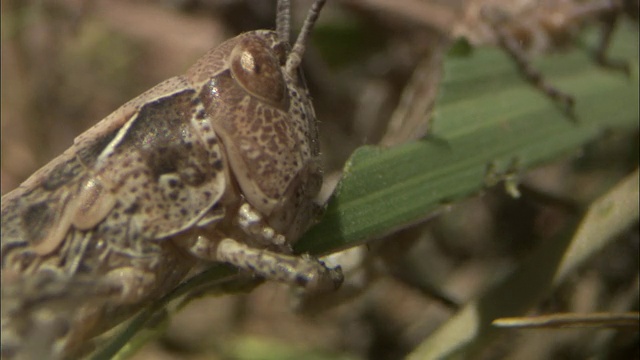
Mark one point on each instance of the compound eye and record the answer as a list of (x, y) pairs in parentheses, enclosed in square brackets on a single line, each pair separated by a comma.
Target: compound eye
[(256, 68)]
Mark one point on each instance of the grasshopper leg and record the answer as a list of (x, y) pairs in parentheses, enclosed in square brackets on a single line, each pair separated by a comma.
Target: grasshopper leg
[(304, 271), (510, 44), (609, 22)]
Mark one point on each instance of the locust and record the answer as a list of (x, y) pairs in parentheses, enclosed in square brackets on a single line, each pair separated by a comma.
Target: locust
[(221, 164)]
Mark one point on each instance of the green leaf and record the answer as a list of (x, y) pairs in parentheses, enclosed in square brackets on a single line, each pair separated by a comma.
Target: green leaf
[(489, 122)]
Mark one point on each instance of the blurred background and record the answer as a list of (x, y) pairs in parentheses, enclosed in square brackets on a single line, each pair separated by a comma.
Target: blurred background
[(68, 63)]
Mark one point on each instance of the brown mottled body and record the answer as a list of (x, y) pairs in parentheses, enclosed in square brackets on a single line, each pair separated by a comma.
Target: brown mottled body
[(220, 164)]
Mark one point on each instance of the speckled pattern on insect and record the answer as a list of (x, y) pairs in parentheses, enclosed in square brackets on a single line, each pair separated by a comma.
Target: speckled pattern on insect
[(220, 164)]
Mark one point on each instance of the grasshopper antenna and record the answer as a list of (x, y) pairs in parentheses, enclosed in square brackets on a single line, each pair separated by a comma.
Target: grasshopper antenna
[(283, 20), (295, 56)]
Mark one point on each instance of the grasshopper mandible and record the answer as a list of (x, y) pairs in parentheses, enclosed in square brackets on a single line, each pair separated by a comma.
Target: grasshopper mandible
[(220, 164)]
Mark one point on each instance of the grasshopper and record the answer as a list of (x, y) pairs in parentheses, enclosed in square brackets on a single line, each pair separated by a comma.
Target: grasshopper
[(220, 164)]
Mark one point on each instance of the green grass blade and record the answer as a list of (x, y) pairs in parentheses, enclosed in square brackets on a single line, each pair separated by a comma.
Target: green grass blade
[(487, 117)]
